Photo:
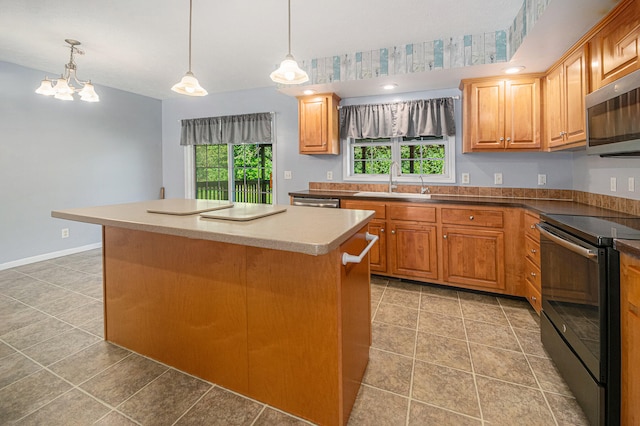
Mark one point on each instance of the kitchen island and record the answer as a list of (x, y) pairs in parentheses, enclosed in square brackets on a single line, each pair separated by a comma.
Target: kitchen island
[(263, 307)]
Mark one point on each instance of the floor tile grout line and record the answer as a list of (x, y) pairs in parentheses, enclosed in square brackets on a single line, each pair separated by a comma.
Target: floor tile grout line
[(413, 361), (544, 397), (473, 370), (258, 416)]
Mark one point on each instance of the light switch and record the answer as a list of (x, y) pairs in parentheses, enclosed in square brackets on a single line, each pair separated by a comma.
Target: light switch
[(287, 174), (497, 178)]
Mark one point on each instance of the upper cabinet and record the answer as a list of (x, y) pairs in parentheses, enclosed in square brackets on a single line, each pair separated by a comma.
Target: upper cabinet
[(318, 123), (502, 114), (614, 48), (566, 86)]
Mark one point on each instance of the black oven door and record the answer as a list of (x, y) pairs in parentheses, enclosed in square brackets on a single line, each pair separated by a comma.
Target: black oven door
[(574, 295)]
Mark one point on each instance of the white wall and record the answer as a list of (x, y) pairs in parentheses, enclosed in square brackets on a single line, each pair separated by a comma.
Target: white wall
[(593, 174), (57, 155)]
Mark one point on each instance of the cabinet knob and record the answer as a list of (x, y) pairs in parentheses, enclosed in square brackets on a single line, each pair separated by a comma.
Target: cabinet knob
[(444, 236), (381, 229), (533, 250), (532, 226), (508, 139), (393, 231), (471, 217), (533, 274), (501, 139), (534, 298)]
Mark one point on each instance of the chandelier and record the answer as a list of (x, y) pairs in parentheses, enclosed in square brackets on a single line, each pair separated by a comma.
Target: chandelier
[(62, 88)]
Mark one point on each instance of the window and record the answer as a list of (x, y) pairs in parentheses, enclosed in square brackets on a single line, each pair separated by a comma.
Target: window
[(248, 165), (433, 158)]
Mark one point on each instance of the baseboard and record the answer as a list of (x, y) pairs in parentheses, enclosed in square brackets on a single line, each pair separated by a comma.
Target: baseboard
[(47, 256)]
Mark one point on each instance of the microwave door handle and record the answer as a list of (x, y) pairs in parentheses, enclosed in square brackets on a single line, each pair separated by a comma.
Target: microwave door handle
[(584, 252)]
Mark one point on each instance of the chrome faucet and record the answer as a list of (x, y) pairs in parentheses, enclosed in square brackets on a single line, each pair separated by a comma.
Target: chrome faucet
[(423, 189), (394, 164)]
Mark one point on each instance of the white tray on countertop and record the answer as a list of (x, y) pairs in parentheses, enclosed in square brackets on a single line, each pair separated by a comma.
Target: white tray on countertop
[(180, 206), (244, 212)]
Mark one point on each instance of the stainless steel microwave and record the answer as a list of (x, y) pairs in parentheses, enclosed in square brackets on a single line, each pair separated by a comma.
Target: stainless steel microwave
[(613, 118)]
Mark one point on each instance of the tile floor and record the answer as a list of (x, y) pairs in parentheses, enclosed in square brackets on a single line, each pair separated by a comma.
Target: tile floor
[(439, 357)]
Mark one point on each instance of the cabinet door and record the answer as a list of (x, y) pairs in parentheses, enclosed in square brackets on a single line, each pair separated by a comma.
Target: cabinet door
[(486, 117), (554, 107), (575, 86), (313, 125), (614, 50), (474, 257), (522, 114), (378, 253), (413, 250), (630, 338)]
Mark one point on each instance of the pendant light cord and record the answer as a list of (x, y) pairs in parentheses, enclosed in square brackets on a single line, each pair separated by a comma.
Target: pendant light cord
[(190, 17), (289, 27)]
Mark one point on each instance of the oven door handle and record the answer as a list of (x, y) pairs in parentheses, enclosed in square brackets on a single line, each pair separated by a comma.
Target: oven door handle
[(584, 252)]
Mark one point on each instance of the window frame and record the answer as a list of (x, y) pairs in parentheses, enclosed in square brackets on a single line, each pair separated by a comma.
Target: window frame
[(396, 142)]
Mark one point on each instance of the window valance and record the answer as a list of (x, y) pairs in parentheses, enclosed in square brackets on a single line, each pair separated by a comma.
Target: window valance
[(425, 117), (245, 128)]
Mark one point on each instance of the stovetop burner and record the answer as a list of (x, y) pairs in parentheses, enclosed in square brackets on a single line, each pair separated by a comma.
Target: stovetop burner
[(598, 230)]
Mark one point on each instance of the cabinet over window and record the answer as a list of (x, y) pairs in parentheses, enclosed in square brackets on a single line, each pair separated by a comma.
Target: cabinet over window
[(318, 121)]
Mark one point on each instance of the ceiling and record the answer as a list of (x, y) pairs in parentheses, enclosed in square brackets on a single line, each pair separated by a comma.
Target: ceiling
[(141, 46)]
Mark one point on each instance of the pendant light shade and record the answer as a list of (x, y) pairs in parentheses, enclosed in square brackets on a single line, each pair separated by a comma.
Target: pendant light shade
[(289, 72), (189, 85)]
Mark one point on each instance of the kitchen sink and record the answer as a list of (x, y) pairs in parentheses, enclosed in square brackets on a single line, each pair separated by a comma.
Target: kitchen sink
[(392, 195)]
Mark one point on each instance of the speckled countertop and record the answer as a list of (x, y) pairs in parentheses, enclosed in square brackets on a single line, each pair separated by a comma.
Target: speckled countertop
[(305, 230)]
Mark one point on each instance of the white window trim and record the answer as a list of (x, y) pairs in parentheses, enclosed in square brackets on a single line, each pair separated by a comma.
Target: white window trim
[(449, 165), (190, 167)]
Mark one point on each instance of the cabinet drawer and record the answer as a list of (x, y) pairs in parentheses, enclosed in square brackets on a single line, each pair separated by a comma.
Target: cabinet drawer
[(530, 221), (533, 296), (532, 248), (411, 212), (379, 208), (474, 217), (532, 273)]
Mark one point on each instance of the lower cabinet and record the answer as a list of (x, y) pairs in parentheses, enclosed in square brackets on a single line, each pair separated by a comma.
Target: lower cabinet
[(413, 250), (447, 244), (474, 257), (630, 338)]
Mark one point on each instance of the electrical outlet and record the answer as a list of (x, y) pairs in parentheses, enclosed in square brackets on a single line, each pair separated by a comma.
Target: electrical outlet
[(287, 174), (465, 178), (632, 184), (329, 175), (542, 179), (65, 232), (497, 178), (614, 184)]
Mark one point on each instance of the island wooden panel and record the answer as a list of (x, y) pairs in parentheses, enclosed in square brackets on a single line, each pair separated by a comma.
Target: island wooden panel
[(180, 301), (300, 327), (630, 339)]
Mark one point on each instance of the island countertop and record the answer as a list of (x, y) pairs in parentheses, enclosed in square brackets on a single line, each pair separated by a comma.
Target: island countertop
[(312, 231)]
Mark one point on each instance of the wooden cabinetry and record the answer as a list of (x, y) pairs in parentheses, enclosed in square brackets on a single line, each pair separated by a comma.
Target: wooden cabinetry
[(630, 339), (473, 253), (502, 114), (566, 86), (413, 250), (532, 260), (318, 124), (377, 226), (614, 48)]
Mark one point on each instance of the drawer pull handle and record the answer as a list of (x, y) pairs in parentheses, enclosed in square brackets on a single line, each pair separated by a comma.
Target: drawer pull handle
[(470, 217), (351, 258), (633, 308)]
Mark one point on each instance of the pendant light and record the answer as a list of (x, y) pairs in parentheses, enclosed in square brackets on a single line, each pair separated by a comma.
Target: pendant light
[(289, 71), (189, 84)]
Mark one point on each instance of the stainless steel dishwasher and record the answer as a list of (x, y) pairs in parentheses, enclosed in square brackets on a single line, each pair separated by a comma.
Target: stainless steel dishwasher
[(330, 203)]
